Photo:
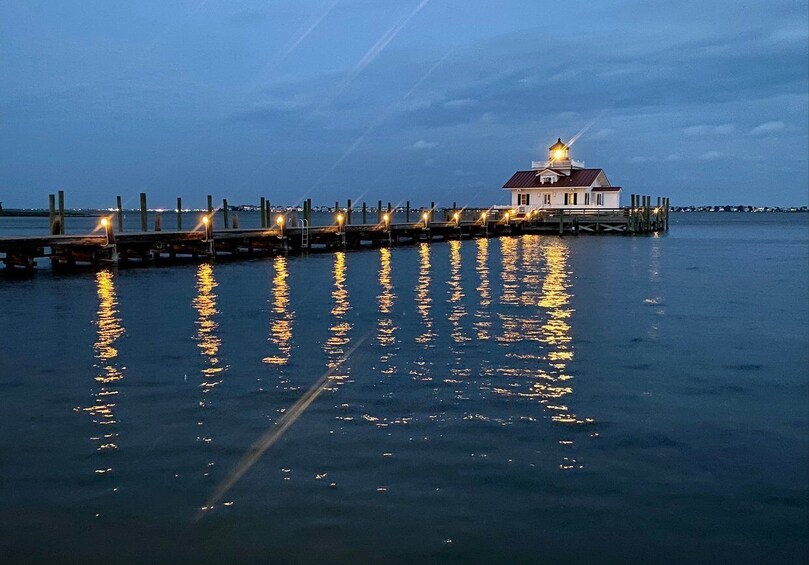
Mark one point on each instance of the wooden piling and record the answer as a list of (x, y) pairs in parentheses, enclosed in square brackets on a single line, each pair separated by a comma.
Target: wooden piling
[(268, 212), (364, 213), (432, 209), (210, 211), (225, 212), (235, 221), (407, 212), (179, 213), (61, 201), (263, 212), (378, 211), (348, 212), (120, 213), (143, 224), (158, 221), (51, 211)]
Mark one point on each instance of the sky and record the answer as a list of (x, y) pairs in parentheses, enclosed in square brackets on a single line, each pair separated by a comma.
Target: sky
[(420, 100)]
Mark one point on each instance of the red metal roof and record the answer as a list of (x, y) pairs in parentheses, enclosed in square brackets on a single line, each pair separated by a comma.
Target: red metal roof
[(578, 178), (607, 189)]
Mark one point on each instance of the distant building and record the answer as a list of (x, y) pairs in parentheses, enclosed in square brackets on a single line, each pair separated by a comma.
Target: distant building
[(561, 182)]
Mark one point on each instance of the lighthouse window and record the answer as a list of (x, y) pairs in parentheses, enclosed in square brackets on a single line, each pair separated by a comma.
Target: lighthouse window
[(570, 198), (547, 199), (523, 199), (586, 198)]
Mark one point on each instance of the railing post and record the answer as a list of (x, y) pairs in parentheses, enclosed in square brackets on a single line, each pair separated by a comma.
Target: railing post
[(179, 213)]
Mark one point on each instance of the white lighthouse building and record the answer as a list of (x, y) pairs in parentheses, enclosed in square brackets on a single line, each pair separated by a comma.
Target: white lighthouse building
[(561, 182)]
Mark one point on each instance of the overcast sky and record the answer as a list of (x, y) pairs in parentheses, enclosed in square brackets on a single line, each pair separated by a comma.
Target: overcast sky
[(704, 101)]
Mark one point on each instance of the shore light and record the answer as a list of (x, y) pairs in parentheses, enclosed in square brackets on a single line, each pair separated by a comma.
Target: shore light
[(104, 222), (205, 220), (280, 220), (386, 219), (483, 215)]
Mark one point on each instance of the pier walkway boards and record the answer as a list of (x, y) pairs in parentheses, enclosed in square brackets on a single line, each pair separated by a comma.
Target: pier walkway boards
[(283, 233)]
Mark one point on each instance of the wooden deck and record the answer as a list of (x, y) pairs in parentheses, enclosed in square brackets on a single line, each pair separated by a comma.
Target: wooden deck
[(107, 247)]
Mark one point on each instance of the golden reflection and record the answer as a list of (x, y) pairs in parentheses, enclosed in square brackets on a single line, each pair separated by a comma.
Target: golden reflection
[(456, 294), (483, 324), (207, 339), (281, 326), (385, 328), (509, 250), (108, 331), (336, 345), (423, 299), (545, 283)]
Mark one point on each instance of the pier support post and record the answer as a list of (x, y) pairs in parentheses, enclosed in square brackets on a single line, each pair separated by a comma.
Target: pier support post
[(263, 212), (378, 211), (179, 213), (210, 211), (61, 200), (51, 212), (407, 212), (364, 213), (235, 221), (158, 221), (348, 212), (225, 212), (143, 225), (268, 214), (120, 213)]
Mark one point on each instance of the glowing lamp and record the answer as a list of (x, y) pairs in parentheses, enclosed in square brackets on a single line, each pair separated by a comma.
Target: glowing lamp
[(424, 216), (280, 220), (455, 216), (104, 222), (386, 218), (339, 218), (205, 220)]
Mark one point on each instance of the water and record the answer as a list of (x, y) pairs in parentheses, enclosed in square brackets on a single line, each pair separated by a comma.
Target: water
[(512, 400)]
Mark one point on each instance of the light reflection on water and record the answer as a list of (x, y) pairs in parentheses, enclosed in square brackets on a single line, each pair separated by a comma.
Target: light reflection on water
[(536, 281), (386, 328), (282, 317), (337, 343), (208, 341), (109, 330)]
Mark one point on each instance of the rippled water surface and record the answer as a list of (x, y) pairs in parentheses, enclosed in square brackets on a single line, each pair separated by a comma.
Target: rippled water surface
[(522, 399)]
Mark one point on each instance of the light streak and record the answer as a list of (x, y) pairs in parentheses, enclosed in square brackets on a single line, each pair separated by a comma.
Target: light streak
[(271, 436)]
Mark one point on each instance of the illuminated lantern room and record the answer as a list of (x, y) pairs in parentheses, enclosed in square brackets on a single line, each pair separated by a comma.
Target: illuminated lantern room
[(558, 151)]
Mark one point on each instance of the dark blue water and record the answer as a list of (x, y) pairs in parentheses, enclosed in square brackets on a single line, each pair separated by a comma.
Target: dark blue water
[(520, 399)]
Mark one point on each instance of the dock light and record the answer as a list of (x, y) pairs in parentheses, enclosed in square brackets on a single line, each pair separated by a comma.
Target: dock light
[(386, 219), (280, 221), (656, 210), (339, 218), (425, 216), (456, 216), (205, 220), (104, 222), (483, 216)]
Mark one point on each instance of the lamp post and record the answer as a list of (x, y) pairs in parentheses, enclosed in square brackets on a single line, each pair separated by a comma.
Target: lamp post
[(485, 223), (340, 231), (386, 221), (206, 223)]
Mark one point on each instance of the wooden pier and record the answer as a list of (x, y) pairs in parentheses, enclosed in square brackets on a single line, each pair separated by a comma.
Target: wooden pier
[(284, 233)]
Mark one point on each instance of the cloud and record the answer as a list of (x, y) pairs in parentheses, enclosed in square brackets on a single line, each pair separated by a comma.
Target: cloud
[(460, 103), (704, 129), (767, 128), (710, 156), (672, 157), (421, 144), (600, 135)]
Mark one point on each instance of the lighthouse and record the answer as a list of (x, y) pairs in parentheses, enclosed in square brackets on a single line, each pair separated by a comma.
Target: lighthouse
[(561, 182)]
